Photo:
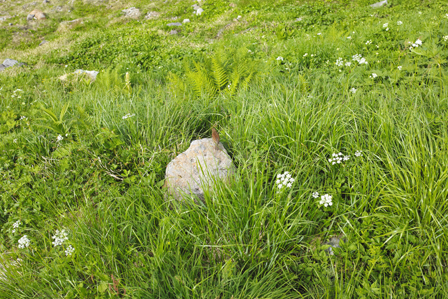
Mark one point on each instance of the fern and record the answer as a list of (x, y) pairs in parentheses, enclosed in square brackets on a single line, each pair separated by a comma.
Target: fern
[(224, 72)]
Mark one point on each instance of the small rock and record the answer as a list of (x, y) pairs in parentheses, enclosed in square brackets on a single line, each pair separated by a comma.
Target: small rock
[(232, 5), (10, 24), (43, 42), (334, 243), (174, 24), (173, 32), (46, 1), (38, 14), (189, 171), (152, 15), (91, 74), (9, 63), (199, 11), (30, 17), (378, 4), (186, 21), (132, 12)]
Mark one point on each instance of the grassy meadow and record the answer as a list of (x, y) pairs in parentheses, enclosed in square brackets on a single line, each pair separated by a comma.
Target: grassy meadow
[(349, 101)]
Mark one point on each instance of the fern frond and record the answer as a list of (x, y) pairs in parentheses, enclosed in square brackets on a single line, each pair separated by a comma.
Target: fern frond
[(219, 74)]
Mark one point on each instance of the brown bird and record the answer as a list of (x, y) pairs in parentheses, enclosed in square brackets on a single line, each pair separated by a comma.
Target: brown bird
[(215, 137)]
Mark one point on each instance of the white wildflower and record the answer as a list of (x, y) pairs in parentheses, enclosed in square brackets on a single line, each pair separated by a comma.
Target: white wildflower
[(373, 76), (385, 25), (445, 38), (24, 242), (348, 63), (358, 154), (60, 237), (368, 42), (306, 54), (349, 37), (399, 23), (59, 138), (319, 33), (280, 58), (284, 180), (130, 115), (353, 90), (69, 250), (326, 200), (315, 194), (339, 62), (399, 67)]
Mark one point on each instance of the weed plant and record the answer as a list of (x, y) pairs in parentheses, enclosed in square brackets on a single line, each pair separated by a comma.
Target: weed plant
[(338, 132)]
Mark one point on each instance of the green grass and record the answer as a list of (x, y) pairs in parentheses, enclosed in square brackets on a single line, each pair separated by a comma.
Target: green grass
[(102, 182)]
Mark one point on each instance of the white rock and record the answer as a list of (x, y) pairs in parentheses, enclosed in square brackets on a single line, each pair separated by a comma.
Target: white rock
[(199, 11), (196, 167), (152, 15), (132, 13), (378, 4)]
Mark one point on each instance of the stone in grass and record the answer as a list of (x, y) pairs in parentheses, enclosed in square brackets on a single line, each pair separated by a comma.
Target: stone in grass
[(174, 24), (90, 74), (334, 243), (132, 12), (9, 63), (378, 4), (43, 43), (196, 167), (36, 14), (174, 32), (152, 15)]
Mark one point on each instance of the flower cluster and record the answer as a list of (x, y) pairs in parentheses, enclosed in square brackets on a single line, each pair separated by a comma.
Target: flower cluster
[(60, 237), (338, 158), (14, 95), (69, 250), (358, 154), (24, 242), (399, 23), (326, 200), (128, 115), (417, 43), (59, 138), (284, 180), (16, 225), (368, 42), (386, 26), (373, 76), (279, 58), (445, 38), (359, 59), (353, 90), (399, 67)]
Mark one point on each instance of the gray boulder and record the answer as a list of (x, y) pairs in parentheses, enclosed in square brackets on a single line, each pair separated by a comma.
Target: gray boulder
[(174, 24), (196, 167), (9, 63), (30, 17)]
